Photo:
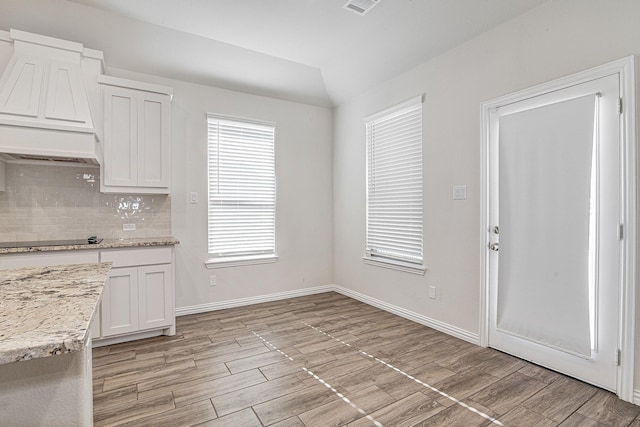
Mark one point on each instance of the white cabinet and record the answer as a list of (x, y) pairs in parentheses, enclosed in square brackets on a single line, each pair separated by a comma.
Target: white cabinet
[(137, 149), (139, 295)]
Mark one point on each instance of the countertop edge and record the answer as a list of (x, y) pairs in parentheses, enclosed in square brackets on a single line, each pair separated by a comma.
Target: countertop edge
[(105, 244)]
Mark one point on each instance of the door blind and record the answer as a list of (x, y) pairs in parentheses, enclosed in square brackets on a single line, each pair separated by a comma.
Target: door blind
[(394, 183), (242, 187)]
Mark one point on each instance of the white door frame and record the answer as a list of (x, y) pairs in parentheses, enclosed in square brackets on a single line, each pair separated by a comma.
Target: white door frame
[(628, 183)]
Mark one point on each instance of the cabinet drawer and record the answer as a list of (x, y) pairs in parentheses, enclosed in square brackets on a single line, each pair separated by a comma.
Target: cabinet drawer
[(45, 259), (137, 257)]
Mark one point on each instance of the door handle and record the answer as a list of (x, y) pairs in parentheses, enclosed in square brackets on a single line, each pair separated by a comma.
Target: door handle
[(494, 247)]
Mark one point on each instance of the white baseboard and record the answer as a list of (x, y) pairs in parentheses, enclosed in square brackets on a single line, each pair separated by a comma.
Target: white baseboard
[(410, 315), (213, 306), (407, 314), (126, 338), (636, 397)]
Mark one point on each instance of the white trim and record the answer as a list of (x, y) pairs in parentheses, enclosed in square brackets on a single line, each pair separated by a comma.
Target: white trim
[(222, 117), (416, 100), (626, 69), (410, 315), (221, 305), (395, 265), (5, 36), (41, 40), (629, 272), (399, 311), (636, 397), (132, 84), (240, 261)]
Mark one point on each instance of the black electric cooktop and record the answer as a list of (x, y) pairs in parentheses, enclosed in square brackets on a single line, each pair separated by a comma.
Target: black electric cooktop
[(93, 240)]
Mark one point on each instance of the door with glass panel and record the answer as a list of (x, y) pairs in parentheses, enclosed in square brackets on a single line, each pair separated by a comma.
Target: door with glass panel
[(554, 250)]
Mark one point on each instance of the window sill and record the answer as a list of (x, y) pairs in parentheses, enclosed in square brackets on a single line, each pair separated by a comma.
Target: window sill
[(240, 261), (395, 265)]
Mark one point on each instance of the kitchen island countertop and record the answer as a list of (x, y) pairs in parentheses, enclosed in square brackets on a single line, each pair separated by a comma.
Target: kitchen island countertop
[(105, 244), (46, 311)]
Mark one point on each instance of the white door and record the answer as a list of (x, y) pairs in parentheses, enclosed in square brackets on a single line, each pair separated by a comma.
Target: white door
[(554, 210)]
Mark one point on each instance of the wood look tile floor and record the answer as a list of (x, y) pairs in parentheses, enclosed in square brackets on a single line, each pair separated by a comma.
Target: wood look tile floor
[(328, 360)]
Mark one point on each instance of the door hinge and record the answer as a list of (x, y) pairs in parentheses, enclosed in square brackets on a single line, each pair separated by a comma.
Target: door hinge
[(620, 231), (619, 105), (618, 357)]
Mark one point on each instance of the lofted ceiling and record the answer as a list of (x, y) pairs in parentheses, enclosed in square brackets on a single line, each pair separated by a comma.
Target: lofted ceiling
[(312, 51)]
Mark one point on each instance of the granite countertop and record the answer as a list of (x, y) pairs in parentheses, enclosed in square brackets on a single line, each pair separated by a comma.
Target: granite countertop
[(105, 244), (46, 311)]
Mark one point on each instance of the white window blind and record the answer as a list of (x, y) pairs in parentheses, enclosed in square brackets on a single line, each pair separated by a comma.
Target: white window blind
[(394, 183), (242, 187)]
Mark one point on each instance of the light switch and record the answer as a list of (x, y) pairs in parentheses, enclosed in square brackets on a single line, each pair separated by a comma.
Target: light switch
[(459, 192), (194, 197)]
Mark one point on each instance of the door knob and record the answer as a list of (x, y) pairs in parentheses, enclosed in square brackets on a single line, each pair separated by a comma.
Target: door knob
[(494, 247)]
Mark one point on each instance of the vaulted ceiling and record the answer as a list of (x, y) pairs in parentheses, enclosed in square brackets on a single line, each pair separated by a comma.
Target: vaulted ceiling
[(311, 51)]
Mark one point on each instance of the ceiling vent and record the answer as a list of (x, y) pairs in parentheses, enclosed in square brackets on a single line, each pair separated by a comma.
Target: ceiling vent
[(361, 7)]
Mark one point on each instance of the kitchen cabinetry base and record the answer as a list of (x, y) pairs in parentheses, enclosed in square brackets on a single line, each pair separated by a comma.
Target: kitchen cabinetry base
[(134, 336)]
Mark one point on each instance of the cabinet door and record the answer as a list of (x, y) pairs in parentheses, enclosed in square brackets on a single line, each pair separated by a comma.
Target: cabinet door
[(153, 140), (120, 137), (120, 302), (67, 98), (155, 296), (21, 94)]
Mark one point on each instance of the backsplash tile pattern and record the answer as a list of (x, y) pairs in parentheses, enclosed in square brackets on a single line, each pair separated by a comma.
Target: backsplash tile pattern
[(58, 202)]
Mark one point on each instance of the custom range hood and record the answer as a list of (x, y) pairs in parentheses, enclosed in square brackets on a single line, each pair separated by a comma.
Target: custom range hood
[(48, 90)]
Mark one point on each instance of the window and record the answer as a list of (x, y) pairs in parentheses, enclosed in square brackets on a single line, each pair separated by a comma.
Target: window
[(394, 187), (242, 191)]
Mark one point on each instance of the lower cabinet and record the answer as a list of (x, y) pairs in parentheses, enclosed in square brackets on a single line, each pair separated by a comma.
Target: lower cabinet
[(139, 295)]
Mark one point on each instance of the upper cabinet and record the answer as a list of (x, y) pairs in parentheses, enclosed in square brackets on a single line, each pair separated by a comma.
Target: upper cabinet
[(137, 147)]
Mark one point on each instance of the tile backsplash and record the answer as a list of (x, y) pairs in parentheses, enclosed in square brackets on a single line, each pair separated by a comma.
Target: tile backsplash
[(59, 202)]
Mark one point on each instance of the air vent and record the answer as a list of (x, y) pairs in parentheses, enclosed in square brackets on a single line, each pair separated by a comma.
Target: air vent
[(360, 7)]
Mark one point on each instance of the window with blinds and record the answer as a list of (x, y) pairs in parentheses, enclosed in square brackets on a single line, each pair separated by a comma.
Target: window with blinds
[(242, 188), (394, 185)]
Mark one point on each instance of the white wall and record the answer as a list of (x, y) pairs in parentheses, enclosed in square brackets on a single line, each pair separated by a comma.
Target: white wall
[(304, 219), (559, 38)]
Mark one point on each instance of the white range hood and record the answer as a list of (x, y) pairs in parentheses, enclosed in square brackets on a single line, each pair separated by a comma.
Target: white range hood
[(47, 93)]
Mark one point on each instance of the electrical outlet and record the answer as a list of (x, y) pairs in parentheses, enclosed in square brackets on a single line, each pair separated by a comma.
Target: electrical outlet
[(432, 292), (212, 280), (459, 192), (128, 227)]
